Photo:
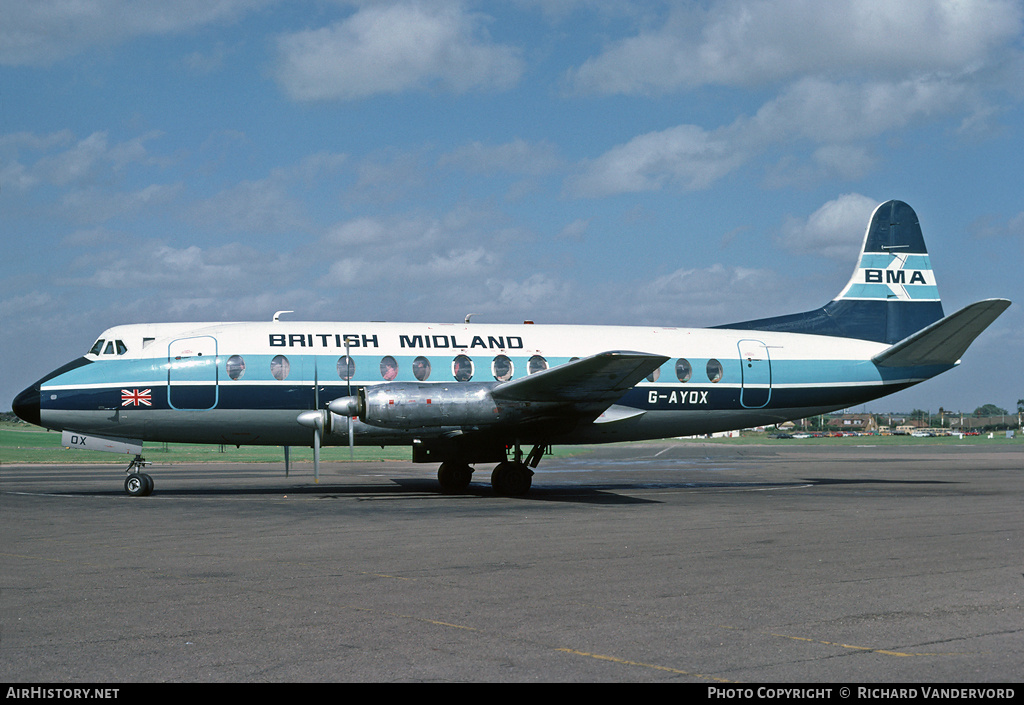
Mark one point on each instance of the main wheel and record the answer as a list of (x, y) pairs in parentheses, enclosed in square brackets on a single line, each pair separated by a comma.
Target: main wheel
[(454, 477), (511, 479)]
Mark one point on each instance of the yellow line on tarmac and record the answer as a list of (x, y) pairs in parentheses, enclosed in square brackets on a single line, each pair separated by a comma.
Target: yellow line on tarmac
[(884, 652), (656, 667), (848, 646)]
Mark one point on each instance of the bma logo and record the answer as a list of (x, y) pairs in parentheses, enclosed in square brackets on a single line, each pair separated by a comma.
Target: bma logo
[(893, 276)]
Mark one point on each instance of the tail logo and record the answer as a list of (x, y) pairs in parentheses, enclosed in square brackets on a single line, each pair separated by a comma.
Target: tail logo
[(889, 276)]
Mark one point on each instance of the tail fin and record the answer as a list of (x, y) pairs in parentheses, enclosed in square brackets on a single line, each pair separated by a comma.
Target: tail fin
[(891, 295)]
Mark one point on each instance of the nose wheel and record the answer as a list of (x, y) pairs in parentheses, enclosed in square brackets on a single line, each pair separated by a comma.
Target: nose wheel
[(138, 484)]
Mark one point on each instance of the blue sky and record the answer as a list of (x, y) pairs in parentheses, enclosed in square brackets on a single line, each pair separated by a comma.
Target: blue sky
[(658, 163)]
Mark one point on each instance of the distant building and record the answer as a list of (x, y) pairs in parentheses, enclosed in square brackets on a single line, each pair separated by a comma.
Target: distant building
[(852, 422), (977, 423)]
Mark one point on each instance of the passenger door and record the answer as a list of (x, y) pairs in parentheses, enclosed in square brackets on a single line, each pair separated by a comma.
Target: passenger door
[(192, 374), (756, 379)]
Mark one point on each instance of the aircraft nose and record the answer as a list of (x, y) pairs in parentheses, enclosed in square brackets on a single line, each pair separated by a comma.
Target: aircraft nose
[(26, 405)]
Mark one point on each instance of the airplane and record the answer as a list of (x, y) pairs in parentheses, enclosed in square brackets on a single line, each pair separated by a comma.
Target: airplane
[(460, 395)]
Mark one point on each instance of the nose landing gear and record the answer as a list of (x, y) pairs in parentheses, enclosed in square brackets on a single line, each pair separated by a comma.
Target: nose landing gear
[(138, 484)]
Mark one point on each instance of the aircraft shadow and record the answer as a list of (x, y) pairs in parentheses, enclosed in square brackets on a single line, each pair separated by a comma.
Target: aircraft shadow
[(608, 493)]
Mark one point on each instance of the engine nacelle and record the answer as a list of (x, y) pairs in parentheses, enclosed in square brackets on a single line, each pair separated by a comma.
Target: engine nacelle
[(411, 405)]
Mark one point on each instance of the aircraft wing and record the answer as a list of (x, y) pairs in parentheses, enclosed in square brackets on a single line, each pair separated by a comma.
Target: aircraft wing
[(599, 379), (946, 340)]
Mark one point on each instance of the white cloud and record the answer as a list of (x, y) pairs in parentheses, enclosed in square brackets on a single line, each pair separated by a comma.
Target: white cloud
[(836, 230), (832, 119), (263, 206), (225, 272), (96, 205), (574, 231), (537, 296), (708, 296), (268, 205), (742, 43), (88, 159), (391, 48), (41, 32), (827, 112), (515, 157), (685, 156)]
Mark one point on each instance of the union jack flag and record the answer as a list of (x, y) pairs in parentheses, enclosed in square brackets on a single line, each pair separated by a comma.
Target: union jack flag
[(134, 397)]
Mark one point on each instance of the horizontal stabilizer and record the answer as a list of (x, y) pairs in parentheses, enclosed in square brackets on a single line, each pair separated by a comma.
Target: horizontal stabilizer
[(945, 341), (598, 378)]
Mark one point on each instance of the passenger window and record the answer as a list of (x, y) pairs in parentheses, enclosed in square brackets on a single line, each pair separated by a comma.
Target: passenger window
[(236, 367), (653, 377), (421, 368), (462, 368), (501, 368), (280, 367), (683, 370), (346, 367), (714, 370), (388, 368), (536, 364)]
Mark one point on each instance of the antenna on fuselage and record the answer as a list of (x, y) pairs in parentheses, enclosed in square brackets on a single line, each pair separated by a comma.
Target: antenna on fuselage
[(468, 316), (277, 316)]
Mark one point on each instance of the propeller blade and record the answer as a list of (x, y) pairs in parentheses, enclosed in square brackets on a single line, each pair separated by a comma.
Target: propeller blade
[(316, 453), (317, 420), (349, 408), (351, 432), (321, 422)]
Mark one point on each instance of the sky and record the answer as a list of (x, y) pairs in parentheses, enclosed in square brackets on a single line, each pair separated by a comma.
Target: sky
[(562, 161)]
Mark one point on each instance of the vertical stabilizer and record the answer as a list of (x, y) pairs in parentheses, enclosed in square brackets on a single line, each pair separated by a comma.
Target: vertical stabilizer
[(891, 295)]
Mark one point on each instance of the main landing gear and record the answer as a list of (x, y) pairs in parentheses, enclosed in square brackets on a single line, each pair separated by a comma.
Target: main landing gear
[(138, 484), (510, 478)]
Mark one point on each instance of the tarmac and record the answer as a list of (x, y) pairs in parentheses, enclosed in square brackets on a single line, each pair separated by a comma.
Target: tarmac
[(652, 562)]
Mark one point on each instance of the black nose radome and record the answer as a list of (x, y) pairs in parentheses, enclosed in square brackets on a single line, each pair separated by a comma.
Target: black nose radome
[(26, 405)]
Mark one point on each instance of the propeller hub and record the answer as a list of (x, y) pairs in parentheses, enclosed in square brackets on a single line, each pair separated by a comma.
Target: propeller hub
[(313, 419), (345, 406)]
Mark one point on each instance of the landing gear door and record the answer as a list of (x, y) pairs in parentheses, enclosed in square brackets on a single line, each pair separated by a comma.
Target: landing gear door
[(756, 377), (192, 373)]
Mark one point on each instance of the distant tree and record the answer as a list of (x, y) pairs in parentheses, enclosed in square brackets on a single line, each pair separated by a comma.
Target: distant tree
[(989, 410), (1020, 406)]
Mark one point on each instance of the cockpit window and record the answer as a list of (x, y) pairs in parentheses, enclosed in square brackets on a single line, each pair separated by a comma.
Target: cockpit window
[(108, 347)]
